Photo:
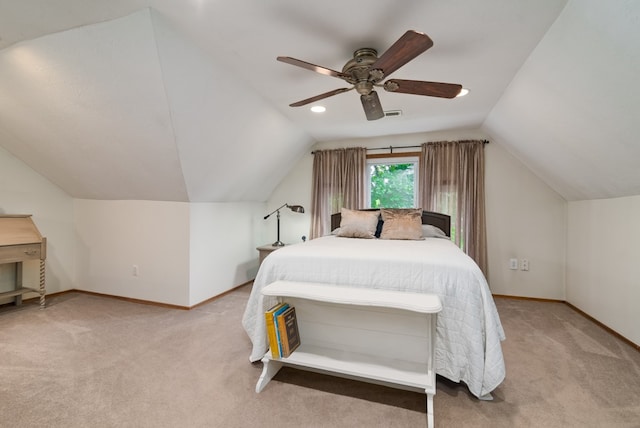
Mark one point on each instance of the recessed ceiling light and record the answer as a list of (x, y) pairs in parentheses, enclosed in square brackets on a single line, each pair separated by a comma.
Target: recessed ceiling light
[(463, 92), (318, 109)]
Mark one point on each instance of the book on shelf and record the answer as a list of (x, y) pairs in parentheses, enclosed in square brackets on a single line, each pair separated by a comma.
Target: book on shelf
[(272, 330), (288, 329), (276, 317)]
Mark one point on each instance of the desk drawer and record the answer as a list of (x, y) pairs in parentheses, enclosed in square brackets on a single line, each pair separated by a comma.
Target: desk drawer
[(18, 253)]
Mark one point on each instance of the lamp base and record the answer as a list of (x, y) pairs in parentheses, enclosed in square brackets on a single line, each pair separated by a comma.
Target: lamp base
[(278, 244)]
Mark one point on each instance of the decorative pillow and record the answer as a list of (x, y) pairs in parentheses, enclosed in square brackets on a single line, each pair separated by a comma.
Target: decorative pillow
[(430, 231), (358, 224), (402, 224)]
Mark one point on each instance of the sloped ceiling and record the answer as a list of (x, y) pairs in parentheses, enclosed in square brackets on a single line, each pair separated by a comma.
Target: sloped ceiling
[(184, 101), (571, 112), (131, 109)]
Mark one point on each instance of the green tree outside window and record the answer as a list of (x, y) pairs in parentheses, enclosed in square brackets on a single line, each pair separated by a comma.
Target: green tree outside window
[(392, 185)]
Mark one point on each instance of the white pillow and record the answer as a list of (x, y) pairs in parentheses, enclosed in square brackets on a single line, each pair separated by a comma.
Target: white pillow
[(430, 231)]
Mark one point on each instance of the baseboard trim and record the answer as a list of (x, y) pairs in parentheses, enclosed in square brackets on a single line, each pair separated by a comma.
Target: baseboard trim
[(141, 301), (584, 314), (186, 308), (534, 299), (211, 299), (605, 327)]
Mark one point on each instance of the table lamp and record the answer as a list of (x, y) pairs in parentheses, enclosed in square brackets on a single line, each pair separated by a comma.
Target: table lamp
[(294, 208)]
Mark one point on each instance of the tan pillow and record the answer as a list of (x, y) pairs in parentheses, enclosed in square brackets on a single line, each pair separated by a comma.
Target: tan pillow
[(358, 224), (401, 224)]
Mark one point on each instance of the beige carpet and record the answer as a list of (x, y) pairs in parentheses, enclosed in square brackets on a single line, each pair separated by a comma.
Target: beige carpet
[(89, 361)]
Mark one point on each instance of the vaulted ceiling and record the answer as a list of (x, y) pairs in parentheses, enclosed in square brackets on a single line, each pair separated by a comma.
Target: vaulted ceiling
[(185, 101)]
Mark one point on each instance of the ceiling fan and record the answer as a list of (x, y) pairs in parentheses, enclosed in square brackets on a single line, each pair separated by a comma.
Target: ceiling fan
[(366, 70)]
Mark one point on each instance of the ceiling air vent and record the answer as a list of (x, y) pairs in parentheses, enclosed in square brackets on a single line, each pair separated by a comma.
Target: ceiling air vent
[(393, 113)]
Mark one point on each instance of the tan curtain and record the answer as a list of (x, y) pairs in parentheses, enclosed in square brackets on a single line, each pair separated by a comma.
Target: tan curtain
[(338, 181), (452, 182)]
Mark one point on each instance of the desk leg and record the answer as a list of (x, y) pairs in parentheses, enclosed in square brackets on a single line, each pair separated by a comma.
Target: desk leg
[(42, 289), (18, 285)]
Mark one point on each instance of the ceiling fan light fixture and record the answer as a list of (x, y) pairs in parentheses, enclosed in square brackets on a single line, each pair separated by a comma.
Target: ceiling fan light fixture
[(318, 109), (463, 92)]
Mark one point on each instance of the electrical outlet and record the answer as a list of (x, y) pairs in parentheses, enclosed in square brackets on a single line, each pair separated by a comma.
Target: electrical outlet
[(524, 264), (134, 270), (513, 264)]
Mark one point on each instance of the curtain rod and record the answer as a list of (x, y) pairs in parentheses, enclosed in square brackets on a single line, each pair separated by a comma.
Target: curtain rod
[(390, 148)]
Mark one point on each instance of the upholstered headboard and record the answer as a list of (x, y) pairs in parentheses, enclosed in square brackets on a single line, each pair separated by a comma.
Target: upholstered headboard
[(441, 221)]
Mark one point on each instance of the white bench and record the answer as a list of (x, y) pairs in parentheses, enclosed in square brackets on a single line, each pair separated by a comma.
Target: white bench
[(378, 336)]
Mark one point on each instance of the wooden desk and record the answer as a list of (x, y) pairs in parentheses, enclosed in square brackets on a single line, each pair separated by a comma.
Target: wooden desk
[(20, 241)]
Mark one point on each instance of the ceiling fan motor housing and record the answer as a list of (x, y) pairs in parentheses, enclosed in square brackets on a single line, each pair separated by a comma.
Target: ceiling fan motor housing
[(358, 72)]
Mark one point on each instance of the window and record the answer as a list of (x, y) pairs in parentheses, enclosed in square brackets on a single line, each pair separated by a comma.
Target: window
[(392, 181)]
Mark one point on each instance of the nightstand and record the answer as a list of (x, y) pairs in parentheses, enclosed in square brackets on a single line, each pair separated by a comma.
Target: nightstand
[(265, 250)]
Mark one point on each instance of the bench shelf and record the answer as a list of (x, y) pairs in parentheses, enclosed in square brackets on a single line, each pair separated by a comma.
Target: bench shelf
[(378, 336)]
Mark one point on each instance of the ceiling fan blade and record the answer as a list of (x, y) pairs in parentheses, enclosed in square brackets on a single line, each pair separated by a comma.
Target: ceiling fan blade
[(372, 107), (320, 97), (430, 89), (406, 48), (312, 67)]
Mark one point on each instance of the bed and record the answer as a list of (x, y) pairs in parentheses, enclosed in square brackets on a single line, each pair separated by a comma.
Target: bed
[(468, 332)]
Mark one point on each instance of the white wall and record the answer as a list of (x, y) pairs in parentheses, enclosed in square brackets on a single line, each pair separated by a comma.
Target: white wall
[(525, 218), (223, 242), (185, 252), (23, 191), (113, 236), (184, 258), (295, 189), (603, 274)]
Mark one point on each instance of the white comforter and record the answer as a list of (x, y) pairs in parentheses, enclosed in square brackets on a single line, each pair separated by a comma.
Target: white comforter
[(469, 331)]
